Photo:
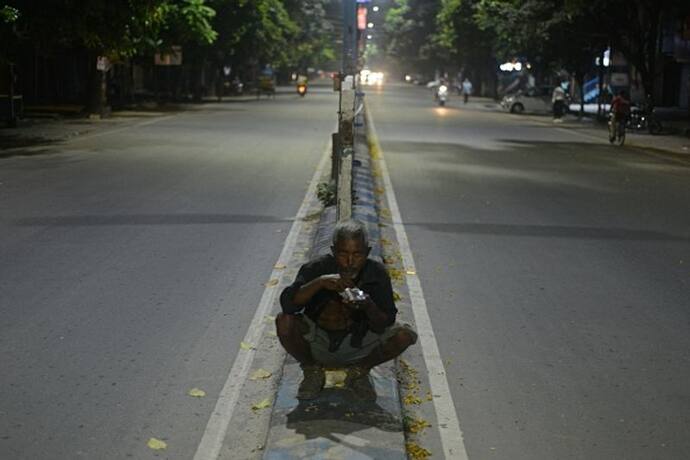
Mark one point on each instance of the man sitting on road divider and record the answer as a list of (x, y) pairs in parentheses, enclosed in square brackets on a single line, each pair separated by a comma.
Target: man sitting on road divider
[(339, 312)]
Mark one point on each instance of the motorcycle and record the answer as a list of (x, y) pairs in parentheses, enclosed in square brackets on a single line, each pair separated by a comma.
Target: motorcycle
[(442, 95), (641, 119), (302, 89)]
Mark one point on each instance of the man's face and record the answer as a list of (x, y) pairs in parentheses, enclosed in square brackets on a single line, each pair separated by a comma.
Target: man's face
[(350, 256)]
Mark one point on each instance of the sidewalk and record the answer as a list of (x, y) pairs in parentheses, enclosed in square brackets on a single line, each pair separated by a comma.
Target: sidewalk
[(43, 126), (670, 145), (34, 134), (675, 145)]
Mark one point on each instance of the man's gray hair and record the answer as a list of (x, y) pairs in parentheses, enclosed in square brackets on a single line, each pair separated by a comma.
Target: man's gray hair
[(350, 230)]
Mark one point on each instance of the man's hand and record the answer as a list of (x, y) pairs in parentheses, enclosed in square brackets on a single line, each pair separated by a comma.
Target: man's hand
[(335, 282)]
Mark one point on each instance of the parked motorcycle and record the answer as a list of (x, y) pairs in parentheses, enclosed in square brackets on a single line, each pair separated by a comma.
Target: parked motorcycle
[(641, 119)]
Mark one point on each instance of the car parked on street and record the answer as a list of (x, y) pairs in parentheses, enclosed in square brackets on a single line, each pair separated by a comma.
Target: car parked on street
[(534, 100)]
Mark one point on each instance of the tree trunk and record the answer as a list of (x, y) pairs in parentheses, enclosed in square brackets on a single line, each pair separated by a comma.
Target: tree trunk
[(97, 86), (650, 54), (601, 86), (580, 79)]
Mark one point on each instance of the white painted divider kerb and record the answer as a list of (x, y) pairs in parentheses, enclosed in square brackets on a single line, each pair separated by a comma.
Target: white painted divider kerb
[(217, 426), (448, 424)]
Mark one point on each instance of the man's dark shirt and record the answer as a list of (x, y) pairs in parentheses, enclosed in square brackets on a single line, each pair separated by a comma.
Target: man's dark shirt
[(373, 279)]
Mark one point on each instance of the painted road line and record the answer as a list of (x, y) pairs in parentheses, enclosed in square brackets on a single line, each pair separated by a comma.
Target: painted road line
[(448, 424), (217, 426)]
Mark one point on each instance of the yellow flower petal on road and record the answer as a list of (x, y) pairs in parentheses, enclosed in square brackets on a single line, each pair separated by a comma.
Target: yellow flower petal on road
[(262, 405), (272, 282), (279, 266), (196, 393), (411, 272), (260, 374), (156, 444), (246, 346)]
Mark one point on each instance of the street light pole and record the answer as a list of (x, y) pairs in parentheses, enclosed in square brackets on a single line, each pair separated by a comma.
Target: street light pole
[(346, 112), (349, 36)]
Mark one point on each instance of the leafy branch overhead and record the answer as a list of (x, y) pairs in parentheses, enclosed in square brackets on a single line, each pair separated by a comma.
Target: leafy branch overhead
[(280, 32)]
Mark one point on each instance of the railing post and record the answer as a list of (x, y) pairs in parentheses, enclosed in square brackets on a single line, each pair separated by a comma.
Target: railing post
[(344, 192)]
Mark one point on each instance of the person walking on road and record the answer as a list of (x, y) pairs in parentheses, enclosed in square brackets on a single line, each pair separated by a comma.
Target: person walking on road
[(466, 89), (340, 312), (558, 103)]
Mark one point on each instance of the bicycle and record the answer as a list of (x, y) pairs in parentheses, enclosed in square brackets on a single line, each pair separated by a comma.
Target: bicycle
[(616, 130)]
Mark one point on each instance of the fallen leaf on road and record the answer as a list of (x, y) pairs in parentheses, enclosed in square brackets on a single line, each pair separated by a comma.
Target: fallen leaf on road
[(246, 346), (260, 374), (156, 444), (396, 274), (279, 266), (417, 426), (272, 282), (411, 272), (196, 392), (396, 297), (269, 318), (262, 405), (412, 399), (416, 452)]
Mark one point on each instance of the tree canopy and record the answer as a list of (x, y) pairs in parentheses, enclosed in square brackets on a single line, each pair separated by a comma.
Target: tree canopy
[(550, 34)]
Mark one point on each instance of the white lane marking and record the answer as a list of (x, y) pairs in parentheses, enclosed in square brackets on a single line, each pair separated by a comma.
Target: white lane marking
[(448, 424), (217, 426)]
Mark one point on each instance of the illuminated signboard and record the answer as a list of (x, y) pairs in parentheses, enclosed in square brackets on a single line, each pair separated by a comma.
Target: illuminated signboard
[(361, 17)]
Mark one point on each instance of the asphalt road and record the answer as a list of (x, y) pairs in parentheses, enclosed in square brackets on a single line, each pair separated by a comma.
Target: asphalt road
[(131, 262), (556, 270)]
